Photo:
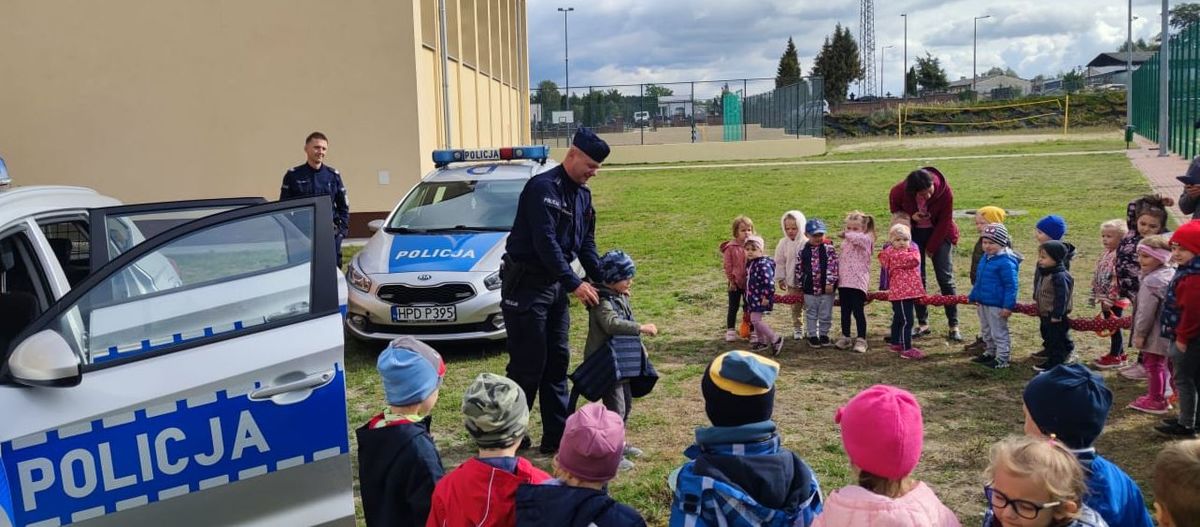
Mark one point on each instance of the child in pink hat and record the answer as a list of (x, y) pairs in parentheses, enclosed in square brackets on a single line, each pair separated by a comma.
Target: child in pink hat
[(882, 432)]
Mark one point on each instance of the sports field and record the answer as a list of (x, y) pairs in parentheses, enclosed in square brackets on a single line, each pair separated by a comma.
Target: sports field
[(671, 221)]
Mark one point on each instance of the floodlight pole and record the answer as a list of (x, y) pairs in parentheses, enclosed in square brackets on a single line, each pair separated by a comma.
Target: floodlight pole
[(905, 67), (566, 59), (974, 53)]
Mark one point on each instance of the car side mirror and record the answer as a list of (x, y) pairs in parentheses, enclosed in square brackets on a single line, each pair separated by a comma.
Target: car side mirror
[(375, 225), (45, 359)]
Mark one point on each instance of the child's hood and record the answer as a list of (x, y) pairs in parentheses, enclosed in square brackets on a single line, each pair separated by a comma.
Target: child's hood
[(1009, 254), (800, 221), (728, 244)]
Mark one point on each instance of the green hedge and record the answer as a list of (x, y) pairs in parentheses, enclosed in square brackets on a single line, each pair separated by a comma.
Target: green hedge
[(1101, 109)]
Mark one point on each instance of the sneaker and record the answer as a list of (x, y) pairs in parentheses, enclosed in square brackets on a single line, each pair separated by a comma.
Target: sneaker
[(895, 348), (1170, 421), (797, 334), (1043, 354), (912, 353), (758, 346), (922, 332), (814, 342), (625, 465), (983, 359), (975, 347), (632, 451), (843, 343), (731, 335), (1150, 406), (1176, 430), (825, 340), (955, 335), (1136, 372), (995, 364), (1045, 366), (777, 347), (754, 337), (1109, 362), (860, 345)]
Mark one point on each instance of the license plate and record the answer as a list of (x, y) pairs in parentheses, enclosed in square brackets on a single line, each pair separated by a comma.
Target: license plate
[(424, 313)]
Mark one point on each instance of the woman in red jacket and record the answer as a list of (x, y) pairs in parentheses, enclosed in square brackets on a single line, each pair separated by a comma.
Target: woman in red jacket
[(926, 199)]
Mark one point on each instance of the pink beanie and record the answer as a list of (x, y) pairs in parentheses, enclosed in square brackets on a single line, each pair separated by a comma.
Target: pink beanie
[(882, 431), (593, 443)]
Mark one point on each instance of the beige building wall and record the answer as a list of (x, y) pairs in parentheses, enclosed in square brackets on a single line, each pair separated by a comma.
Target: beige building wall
[(153, 100)]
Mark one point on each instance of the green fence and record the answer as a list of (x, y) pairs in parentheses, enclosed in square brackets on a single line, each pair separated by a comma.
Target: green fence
[(1184, 87)]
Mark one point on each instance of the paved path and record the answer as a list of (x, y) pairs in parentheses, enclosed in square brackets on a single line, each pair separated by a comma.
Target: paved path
[(1159, 171), (856, 161)]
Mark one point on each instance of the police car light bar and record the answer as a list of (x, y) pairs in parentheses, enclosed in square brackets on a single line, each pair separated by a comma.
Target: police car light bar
[(539, 153)]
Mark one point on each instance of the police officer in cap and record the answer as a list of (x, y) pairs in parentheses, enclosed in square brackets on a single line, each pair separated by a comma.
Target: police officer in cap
[(555, 224), (315, 178)]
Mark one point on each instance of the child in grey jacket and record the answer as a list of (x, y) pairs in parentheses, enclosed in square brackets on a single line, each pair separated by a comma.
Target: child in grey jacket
[(613, 316)]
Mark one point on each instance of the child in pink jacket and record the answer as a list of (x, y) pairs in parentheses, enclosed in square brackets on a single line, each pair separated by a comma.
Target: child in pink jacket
[(733, 259), (854, 277), (882, 432), (902, 261)]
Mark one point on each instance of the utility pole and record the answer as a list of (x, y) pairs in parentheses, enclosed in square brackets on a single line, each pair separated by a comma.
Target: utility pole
[(882, 53), (905, 75), (974, 53), (566, 59)]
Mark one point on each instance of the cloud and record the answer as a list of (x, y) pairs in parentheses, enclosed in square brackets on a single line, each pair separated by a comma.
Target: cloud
[(636, 41)]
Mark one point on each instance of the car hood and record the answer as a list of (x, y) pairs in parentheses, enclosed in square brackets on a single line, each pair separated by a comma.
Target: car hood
[(446, 252)]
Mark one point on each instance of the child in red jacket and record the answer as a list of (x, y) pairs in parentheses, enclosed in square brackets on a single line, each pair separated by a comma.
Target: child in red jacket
[(482, 491), (733, 257), (1181, 325), (902, 261)]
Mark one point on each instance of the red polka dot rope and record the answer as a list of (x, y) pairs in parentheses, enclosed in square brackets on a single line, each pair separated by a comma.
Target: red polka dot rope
[(1100, 325)]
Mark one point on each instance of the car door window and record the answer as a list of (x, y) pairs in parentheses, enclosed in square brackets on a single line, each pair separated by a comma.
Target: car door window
[(69, 239), (24, 293), (221, 279)]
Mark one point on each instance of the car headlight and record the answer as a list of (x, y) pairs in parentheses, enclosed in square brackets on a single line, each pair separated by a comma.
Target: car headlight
[(492, 282), (357, 278)]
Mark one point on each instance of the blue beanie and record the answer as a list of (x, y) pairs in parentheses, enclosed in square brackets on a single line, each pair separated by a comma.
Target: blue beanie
[(1054, 226), (615, 266), (408, 377), (1069, 401)]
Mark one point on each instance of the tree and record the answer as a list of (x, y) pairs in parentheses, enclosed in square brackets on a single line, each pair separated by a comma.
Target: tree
[(1184, 15), (910, 80), (838, 63), (546, 94), (1072, 81), (652, 90), (1138, 45), (789, 67), (930, 75), (996, 70)]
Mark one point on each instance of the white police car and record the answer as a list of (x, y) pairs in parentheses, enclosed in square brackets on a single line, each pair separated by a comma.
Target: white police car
[(170, 364), (431, 269)]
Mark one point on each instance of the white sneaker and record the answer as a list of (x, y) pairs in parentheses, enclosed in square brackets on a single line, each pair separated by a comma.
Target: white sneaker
[(731, 335), (860, 345), (625, 465), (797, 334), (632, 451), (843, 343)]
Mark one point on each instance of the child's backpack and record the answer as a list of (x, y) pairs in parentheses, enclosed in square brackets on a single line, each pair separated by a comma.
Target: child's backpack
[(702, 501)]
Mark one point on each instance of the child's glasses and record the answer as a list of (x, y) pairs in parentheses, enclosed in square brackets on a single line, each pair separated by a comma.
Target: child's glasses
[(1024, 508)]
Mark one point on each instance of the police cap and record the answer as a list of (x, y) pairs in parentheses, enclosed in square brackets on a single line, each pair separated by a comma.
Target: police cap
[(587, 142)]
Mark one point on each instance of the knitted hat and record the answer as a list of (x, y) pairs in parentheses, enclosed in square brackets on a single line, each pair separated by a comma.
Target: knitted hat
[(1069, 401), (991, 214), (408, 377), (814, 226), (997, 233), (1188, 236), (882, 431), (756, 239), (1053, 226), (1055, 249), (739, 388), (495, 410), (615, 266), (593, 443), (420, 348)]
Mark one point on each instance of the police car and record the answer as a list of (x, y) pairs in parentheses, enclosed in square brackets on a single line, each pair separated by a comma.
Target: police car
[(432, 268), (170, 364)]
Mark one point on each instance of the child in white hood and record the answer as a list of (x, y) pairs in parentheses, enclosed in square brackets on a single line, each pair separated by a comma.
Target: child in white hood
[(786, 252)]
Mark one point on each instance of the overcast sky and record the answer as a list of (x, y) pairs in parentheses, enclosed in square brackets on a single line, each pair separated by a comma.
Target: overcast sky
[(635, 41)]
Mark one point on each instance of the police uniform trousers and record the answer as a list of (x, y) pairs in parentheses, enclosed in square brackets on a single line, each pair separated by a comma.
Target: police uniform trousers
[(537, 319)]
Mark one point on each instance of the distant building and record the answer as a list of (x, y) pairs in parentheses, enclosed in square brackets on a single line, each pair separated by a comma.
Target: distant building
[(1112, 68), (987, 83)]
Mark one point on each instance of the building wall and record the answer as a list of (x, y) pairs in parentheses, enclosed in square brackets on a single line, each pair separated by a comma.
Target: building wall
[(176, 99)]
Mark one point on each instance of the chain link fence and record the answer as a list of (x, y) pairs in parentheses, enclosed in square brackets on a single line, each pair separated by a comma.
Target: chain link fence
[(681, 112), (1184, 93)]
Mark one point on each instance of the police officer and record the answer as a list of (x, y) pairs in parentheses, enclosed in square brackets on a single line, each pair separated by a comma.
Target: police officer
[(315, 178), (555, 224)]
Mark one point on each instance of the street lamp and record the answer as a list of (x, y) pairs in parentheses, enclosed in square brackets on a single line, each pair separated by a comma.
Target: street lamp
[(974, 52), (904, 74), (566, 58), (881, 69)]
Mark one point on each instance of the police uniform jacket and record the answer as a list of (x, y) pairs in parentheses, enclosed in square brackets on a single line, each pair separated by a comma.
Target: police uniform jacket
[(305, 181), (555, 224)]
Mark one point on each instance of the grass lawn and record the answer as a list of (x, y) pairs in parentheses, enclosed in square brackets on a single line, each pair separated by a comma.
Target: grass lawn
[(671, 223)]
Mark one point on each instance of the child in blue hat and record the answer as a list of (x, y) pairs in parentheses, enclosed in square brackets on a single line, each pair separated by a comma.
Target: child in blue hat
[(817, 276)]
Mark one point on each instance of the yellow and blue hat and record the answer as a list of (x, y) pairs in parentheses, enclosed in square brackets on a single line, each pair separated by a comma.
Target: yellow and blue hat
[(739, 388)]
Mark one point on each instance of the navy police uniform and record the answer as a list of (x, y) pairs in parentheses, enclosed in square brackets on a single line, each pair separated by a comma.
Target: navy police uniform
[(555, 223), (305, 181)]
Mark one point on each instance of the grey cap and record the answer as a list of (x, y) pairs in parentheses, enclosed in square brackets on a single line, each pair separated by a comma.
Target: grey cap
[(495, 412)]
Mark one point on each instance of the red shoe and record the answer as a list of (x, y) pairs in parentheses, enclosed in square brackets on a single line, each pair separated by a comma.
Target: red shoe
[(912, 353), (1150, 406), (895, 348), (1109, 362)]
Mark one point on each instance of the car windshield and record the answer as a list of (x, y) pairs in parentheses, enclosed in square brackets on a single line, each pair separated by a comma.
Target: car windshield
[(459, 205)]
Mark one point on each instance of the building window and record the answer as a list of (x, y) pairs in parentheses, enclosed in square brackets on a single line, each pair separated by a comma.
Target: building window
[(485, 40), (429, 23), (470, 32), (452, 33)]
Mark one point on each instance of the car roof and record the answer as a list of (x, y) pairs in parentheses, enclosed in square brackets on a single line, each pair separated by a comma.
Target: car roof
[(21, 202), (502, 170)]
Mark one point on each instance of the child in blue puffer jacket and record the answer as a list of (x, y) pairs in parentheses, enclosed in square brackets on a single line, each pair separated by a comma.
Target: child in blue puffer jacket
[(995, 291)]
